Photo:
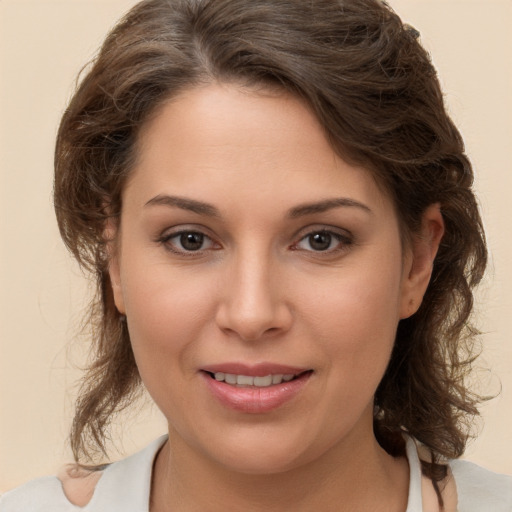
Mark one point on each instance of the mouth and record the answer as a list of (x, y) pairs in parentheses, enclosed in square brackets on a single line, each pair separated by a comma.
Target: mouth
[(255, 389), (248, 381)]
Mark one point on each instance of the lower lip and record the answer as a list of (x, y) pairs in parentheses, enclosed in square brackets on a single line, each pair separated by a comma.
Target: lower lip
[(255, 400)]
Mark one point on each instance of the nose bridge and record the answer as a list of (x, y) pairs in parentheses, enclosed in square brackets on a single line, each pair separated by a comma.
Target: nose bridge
[(253, 304)]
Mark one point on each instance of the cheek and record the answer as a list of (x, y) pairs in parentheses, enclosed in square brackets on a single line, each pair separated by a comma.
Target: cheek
[(354, 320), (166, 315), (358, 301)]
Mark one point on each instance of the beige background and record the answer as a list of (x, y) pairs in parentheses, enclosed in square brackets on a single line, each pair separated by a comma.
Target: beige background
[(43, 44)]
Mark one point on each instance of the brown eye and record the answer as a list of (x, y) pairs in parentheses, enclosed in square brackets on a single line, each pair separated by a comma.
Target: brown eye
[(320, 241), (324, 241), (186, 242), (192, 241)]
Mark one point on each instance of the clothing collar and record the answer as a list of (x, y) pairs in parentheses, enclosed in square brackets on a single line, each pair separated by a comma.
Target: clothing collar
[(126, 485)]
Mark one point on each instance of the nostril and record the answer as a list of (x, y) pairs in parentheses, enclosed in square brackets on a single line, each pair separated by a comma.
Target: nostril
[(252, 309)]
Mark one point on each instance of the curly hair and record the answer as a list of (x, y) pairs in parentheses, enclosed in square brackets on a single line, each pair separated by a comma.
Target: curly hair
[(374, 90)]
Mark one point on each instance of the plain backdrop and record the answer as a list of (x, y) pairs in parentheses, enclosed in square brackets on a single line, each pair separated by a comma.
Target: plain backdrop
[(43, 45)]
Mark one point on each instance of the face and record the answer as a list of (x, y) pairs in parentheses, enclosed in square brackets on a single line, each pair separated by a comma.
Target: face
[(262, 277)]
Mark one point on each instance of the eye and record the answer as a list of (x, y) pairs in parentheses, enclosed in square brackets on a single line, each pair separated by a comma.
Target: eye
[(184, 242), (323, 241)]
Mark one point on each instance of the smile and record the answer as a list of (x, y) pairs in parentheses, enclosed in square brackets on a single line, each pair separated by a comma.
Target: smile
[(255, 394), (249, 381)]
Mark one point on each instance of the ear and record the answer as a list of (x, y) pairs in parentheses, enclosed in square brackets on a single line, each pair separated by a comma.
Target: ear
[(111, 237), (419, 260)]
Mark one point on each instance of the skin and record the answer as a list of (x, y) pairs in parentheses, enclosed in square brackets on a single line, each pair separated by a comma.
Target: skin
[(259, 290)]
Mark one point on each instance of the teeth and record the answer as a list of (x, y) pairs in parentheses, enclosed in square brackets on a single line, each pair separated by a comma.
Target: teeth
[(230, 378), (246, 380), (243, 380), (263, 382), (277, 379)]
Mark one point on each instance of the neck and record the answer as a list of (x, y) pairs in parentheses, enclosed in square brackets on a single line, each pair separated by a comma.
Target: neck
[(359, 475)]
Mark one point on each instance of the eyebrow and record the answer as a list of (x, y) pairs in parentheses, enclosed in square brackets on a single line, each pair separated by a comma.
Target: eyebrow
[(323, 206), (209, 210), (184, 203)]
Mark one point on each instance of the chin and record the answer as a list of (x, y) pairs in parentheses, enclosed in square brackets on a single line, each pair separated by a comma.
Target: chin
[(258, 461), (254, 452)]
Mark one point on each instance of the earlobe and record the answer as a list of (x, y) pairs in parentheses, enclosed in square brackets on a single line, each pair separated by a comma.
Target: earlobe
[(111, 240), (419, 263)]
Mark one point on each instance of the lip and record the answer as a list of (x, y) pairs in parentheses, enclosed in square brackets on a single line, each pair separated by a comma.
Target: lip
[(255, 400), (253, 370)]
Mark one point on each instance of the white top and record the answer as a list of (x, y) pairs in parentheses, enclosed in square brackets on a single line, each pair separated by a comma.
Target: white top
[(125, 487)]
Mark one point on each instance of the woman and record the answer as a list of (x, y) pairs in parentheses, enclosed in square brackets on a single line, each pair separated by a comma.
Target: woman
[(279, 214)]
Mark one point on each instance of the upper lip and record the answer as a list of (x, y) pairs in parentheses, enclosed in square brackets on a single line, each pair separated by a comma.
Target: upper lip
[(254, 370)]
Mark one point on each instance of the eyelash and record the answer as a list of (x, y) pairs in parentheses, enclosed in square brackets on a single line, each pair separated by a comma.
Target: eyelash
[(344, 242), (165, 240)]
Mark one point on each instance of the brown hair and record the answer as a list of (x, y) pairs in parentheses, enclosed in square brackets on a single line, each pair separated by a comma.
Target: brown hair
[(374, 90)]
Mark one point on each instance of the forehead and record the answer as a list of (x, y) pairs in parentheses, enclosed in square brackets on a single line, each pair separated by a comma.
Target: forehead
[(243, 144)]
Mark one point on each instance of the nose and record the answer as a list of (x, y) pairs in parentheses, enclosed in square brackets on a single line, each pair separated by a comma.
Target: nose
[(253, 304)]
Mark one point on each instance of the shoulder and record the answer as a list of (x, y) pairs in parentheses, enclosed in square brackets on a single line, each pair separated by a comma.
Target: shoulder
[(479, 489), (70, 489), (38, 495), (78, 484), (123, 486)]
